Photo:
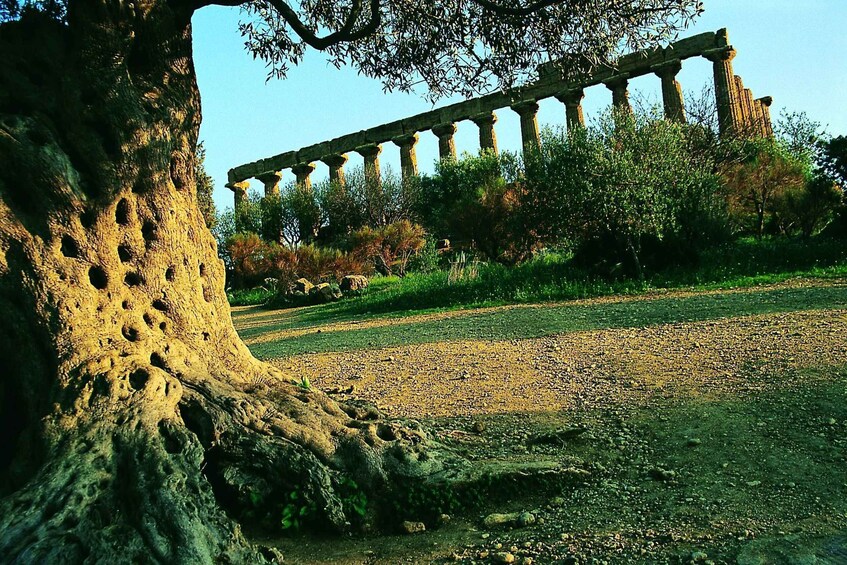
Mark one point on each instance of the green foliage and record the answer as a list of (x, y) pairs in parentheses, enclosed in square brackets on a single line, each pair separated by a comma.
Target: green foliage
[(755, 183), (304, 383), (832, 159), (205, 187), (389, 247), (249, 297), (296, 511)]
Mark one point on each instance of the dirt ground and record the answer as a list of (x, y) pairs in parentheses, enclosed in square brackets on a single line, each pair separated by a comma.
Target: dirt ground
[(716, 440)]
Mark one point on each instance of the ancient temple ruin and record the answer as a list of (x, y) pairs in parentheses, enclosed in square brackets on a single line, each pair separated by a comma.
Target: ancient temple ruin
[(738, 113)]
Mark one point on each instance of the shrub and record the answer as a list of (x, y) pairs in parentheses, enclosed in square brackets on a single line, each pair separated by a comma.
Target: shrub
[(389, 247), (808, 208), (755, 184)]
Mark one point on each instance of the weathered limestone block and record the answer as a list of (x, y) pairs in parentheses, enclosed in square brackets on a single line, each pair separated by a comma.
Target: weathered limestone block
[(302, 171), (487, 137), (528, 112), (408, 156), (446, 143), (271, 182), (335, 162), (370, 153), (239, 190), (619, 85), (671, 90), (726, 95), (572, 99), (354, 283)]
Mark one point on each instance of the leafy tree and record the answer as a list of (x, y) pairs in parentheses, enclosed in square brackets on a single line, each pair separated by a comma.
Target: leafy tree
[(389, 247), (759, 181), (205, 188), (138, 427), (833, 159)]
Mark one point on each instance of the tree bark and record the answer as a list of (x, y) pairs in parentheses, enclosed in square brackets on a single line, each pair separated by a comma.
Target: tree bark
[(136, 425)]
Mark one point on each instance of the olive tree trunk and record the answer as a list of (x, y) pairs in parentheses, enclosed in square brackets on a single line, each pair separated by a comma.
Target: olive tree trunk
[(136, 426)]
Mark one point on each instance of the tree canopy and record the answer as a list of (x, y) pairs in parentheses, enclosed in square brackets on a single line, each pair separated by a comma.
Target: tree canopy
[(448, 46)]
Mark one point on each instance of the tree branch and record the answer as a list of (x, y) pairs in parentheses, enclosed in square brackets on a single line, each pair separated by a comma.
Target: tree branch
[(344, 34)]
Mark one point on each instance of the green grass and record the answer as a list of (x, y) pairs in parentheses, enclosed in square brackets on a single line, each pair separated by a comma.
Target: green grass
[(522, 323), (553, 277), (249, 297)]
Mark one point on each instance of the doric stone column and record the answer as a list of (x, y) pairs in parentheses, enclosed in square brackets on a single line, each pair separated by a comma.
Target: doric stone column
[(528, 111), (336, 162), (764, 105), (301, 172), (572, 99), (408, 156), (370, 153), (239, 190), (619, 85), (729, 113), (271, 182), (487, 138), (671, 90), (446, 143)]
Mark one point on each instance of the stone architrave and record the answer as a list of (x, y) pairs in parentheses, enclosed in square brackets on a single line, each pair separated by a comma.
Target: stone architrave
[(239, 190), (726, 96), (446, 142), (572, 99), (408, 155), (271, 182), (671, 90), (370, 153), (487, 137), (764, 105), (619, 85), (528, 112), (302, 171), (336, 162)]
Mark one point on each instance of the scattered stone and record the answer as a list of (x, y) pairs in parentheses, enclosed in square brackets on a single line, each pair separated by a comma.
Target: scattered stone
[(303, 285), (558, 437), (693, 442), (352, 283), (444, 519), (325, 293), (494, 520), (413, 527), (503, 557), (659, 474), (699, 557), (526, 519)]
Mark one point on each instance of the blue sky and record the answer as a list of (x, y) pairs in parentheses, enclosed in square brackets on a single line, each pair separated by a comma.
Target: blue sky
[(793, 50)]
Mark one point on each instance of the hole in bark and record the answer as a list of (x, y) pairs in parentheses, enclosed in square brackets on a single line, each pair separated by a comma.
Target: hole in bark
[(138, 378), (170, 438), (87, 218), (98, 277), (157, 361), (148, 231), (133, 279), (206, 336), (202, 270), (126, 305), (130, 333), (170, 274), (124, 253), (198, 422), (163, 326), (148, 320), (122, 212), (385, 433), (69, 247), (161, 305)]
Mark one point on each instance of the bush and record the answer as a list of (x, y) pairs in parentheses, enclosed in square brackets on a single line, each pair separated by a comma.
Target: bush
[(389, 248), (809, 208), (622, 191)]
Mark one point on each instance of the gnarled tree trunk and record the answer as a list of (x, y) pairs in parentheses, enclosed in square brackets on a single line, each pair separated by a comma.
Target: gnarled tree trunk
[(135, 423)]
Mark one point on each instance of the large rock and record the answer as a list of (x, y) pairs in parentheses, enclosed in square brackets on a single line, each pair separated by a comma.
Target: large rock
[(354, 282), (303, 285), (325, 293)]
